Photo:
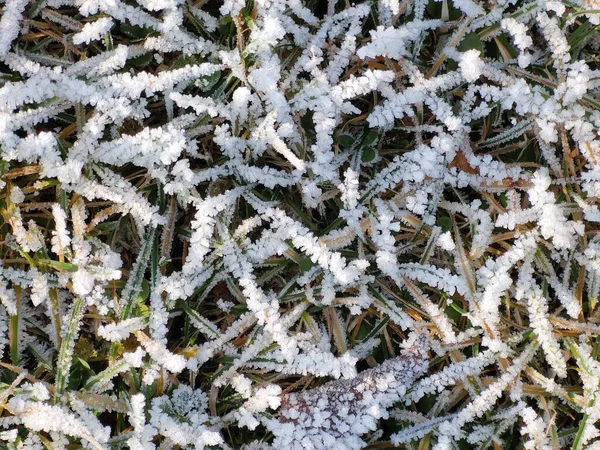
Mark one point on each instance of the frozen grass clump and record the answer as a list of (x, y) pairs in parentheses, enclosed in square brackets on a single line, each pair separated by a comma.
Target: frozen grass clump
[(299, 224)]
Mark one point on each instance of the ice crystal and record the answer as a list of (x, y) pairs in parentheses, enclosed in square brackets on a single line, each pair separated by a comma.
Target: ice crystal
[(286, 221)]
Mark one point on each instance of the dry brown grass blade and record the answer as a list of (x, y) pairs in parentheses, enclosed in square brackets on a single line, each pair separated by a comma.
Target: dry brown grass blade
[(23, 171), (336, 329)]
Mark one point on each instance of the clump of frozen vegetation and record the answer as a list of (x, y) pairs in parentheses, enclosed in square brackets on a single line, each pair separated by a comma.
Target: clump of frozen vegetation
[(299, 224)]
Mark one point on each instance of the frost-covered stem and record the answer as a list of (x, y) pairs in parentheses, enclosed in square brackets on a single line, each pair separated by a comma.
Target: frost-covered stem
[(54, 308), (128, 361), (168, 233), (65, 355)]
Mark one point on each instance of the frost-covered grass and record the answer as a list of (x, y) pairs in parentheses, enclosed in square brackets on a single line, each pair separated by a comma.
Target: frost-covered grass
[(299, 224)]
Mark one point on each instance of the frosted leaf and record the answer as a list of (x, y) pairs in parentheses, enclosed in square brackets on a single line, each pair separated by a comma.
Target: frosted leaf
[(339, 412)]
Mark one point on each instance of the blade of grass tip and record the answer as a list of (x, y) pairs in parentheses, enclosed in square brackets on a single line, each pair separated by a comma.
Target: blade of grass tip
[(65, 355), (168, 232), (578, 442), (35, 8), (579, 291), (582, 430), (80, 115), (101, 401), (55, 314), (335, 327), (464, 265), (134, 284), (430, 245), (439, 319), (136, 277), (156, 254), (311, 325), (14, 328), (554, 436), (155, 262), (204, 325), (377, 328), (107, 374)]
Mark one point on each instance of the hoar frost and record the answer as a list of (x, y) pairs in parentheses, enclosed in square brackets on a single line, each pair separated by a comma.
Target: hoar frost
[(299, 219)]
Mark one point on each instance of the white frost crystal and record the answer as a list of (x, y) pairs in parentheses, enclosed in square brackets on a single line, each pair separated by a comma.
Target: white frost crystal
[(278, 223)]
